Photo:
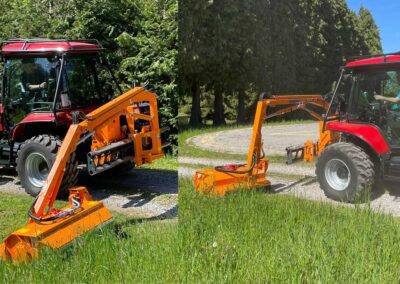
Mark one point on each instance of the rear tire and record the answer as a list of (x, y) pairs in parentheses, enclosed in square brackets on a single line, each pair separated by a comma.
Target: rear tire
[(34, 161), (345, 172)]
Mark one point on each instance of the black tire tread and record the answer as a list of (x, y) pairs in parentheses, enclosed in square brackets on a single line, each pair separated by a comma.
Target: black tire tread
[(53, 144), (363, 164)]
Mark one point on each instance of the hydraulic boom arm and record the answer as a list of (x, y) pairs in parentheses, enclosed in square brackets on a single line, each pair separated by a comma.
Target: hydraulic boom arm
[(222, 179), (119, 122), (309, 149), (297, 102)]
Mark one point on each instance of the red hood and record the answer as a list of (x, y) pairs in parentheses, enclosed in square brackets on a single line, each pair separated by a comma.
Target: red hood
[(63, 117), (39, 117)]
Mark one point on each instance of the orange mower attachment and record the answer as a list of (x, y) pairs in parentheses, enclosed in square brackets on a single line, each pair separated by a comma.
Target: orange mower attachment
[(52, 227), (222, 179)]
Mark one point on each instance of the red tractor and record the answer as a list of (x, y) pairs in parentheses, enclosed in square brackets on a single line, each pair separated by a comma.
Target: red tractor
[(46, 84), (365, 112)]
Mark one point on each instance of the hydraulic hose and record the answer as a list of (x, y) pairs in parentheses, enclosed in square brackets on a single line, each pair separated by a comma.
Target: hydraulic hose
[(61, 214), (253, 163), (225, 170)]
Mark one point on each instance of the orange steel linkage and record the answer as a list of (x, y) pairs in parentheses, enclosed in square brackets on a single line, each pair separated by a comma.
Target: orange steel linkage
[(55, 228), (223, 179), (220, 180), (310, 149)]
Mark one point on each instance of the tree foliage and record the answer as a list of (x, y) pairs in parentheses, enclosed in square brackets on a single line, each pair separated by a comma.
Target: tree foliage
[(230, 50), (140, 37)]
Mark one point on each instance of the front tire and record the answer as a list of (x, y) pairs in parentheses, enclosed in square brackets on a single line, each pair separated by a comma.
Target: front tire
[(345, 172), (35, 159)]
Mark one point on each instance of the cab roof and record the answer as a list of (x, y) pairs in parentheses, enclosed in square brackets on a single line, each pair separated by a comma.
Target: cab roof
[(15, 47), (373, 60)]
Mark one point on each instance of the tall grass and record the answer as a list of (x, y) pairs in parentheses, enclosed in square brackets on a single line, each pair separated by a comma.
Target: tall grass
[(253, 237), (246, 237), (126, 250)]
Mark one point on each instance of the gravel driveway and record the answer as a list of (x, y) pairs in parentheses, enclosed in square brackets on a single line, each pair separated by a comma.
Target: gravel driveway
[(297, 179), (276, 138), (142, 193)]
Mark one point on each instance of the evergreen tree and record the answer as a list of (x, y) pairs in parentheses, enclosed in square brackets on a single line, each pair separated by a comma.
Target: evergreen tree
[(140, 37), (369, 31)]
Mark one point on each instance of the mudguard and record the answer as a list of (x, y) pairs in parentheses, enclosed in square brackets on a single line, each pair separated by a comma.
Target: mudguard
[(370, 134)]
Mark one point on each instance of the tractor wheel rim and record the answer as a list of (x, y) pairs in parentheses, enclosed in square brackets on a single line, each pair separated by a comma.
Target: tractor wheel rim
[(37, 169), (337, 174)]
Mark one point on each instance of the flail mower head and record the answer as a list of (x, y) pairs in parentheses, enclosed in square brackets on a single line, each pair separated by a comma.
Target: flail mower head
[(56, 231), (222, 179)]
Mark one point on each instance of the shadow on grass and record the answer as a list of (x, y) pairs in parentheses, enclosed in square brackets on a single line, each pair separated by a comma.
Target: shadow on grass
[(135, 189), (379, 189), (393, 189), (277, 188), (137, 180), (119, 228)]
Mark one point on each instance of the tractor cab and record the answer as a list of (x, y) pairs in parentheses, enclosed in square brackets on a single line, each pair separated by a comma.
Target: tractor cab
[(47, 79), (45, 85), (365, 113), (369, 93)]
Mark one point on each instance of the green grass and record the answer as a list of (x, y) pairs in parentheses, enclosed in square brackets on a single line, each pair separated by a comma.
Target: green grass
[(253, 237), (246, 237), (127, 250), (14, 212), (188, 150), (168, 162)]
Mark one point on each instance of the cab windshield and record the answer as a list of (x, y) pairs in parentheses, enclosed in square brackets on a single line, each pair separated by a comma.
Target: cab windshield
[(82, 82), (30, 85), (376, 99)]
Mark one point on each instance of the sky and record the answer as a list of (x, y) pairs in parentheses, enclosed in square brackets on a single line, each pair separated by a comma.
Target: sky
[(387, 16)]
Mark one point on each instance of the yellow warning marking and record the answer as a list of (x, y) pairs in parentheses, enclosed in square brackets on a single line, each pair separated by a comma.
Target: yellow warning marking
[(23, 230)]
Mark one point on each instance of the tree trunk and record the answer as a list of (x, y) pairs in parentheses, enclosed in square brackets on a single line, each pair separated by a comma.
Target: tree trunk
[(195, 114), (219, 116), (241, 111)]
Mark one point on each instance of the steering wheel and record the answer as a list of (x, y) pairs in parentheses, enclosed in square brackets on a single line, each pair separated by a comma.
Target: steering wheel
[(376, 110), (369, 99)]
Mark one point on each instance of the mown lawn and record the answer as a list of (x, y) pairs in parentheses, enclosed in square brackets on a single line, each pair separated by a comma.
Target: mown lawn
[(254, 237), (188, 150), (127, 250)]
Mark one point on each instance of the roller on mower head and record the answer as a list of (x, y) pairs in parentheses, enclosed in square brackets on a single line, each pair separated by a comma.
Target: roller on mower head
[(116, 121)]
